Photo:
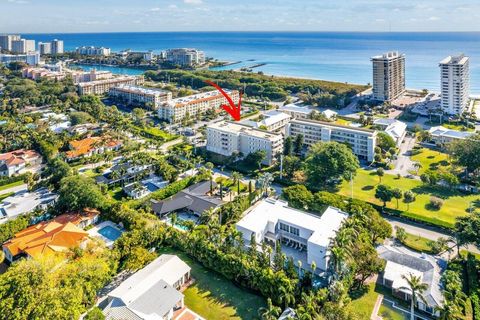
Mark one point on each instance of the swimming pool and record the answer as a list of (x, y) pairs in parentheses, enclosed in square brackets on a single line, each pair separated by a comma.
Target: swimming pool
[(110, 233), (151, 187)]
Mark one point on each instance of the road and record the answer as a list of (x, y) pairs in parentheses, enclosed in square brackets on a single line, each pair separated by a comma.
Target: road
[(403, 163), (14, 189), (423, 231)]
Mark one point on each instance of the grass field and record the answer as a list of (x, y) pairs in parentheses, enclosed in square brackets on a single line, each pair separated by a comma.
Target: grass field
[(455, 203), (229, 184), (6, 195), (11, 185), (214, 297), (431, 159)]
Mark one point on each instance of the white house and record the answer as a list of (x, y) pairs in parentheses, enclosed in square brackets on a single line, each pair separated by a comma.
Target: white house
[(151, 293), (303, 236), (18, 162), (441, 135), (24, 202), (296, 111), (394, 128)]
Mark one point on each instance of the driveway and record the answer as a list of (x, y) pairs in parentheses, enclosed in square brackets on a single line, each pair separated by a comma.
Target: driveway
[(403, 163), (15, 189)]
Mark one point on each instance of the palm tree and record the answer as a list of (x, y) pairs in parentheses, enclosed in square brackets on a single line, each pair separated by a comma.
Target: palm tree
[(236, 176), (270, 312), (417, 166), (265, 180), (416, 287)]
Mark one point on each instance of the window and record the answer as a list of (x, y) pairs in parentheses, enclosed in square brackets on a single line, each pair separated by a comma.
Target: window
[(294, 231), (283, 227)]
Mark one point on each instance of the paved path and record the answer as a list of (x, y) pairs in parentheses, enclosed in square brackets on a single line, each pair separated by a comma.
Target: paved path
[(14, 189), (164, 147), (403, 163), (376, 308)]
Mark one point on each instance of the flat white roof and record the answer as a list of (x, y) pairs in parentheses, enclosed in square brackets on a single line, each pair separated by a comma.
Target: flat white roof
[(198, 96), (140, 90), (24, 202), (269, 210), (295, 108), (460, 59), (273, 117), (238, 128)]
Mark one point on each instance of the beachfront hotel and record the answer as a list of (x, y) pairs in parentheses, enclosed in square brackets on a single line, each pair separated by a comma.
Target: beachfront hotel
[(388, 76), (225, 138), (6, 41), (135, 95), (104, 85), (23, 46), (303, 236), (176, 109), (362, 141), (455, 83), (185, 56)]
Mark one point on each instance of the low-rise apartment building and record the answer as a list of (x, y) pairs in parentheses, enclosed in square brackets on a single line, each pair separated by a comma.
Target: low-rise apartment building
[(362, 141), (273, 121), (135, 95), (396, 129), (177, 109), (31, 58), (296, 111), (104, 85), (225, 138), (42, 73), (303, 236), (442, 136)]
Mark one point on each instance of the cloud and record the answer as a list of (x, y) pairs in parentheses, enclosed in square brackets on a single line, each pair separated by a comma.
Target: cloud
[(155, 9), (193, 1), (433, 18), (18, 1), (173, 6)]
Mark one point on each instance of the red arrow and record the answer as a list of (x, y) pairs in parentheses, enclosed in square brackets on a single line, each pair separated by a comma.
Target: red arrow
[(232, 109)]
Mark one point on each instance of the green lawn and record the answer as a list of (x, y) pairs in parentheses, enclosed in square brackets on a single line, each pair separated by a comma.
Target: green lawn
[(455, 203), (90, 173), (6, 195), (417, 243), (117, 193), (214, 297), (389, 313), (229, 182), (11, 185), (431, 159)]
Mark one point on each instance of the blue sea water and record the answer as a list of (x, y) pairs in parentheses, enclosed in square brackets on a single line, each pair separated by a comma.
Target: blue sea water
[(337, 56)]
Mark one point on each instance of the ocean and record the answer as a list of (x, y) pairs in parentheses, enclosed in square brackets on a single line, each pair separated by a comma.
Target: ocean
[(336, 56)]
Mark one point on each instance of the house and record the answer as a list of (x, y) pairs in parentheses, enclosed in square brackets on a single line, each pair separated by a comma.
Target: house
[(124, 172), (90, 146), (441, 136), (16, 162), (394, 128), (195, 199), (402, 262), (303, 236), (135, 190), (24, 202), (330, 114), (47, 237), (151, 293)]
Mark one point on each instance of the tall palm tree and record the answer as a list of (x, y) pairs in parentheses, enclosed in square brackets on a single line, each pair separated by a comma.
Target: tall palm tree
[(270, 312), (416, 287)]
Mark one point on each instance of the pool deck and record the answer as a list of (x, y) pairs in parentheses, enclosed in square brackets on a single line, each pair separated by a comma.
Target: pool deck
[(95, 234)]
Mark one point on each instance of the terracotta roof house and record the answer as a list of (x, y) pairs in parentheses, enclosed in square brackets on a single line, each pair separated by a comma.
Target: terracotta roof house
[(49, 237), (90, 146), (15, 162)]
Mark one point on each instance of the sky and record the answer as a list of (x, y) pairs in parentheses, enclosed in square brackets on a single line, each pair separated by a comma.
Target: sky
[(61, 16)]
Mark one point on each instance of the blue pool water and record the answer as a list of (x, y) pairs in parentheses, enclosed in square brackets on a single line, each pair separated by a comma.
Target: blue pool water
[(151, 187), (110, 233)]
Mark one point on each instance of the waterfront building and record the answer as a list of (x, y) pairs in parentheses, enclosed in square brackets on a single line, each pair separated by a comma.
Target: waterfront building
[(394, 128), (31, 58), (104, 85), (57, 46), (23, 46), (362, 141), (177, 109), (388, 76), (455, 84), (6, 41), (186, 57), (303, 236), (45, 48), (93, 51), (227, 138), (88, 76), (42, 73), (135, 95)]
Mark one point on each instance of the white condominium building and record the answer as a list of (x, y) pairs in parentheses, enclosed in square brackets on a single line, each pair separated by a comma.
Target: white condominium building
[(103, 86), (134, 95), (442, 136), (87, 76), (185, 56), (177, 109), (388, 76), (362, 141), (93, 51), (296, 112), (6, 41), (57, 46), (303, 236), (225, 138), (455, 82), (23, 46), (45, 48), (32, 58), (273, 121)]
